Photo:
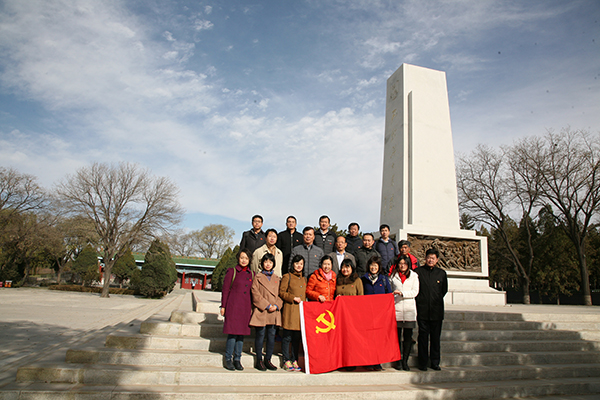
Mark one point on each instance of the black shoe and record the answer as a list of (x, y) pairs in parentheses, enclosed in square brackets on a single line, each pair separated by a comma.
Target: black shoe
[(436, 368), (270, 365), (260, 365), (350, 369), (229, 365), (377, 367), (398, 366), (238, 365), (423, 368)]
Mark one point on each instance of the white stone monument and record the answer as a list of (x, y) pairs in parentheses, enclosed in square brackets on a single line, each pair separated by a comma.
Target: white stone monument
[(419, 197)]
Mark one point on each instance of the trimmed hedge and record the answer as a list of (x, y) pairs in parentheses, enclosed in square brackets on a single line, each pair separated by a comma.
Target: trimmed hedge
[(87, 289)]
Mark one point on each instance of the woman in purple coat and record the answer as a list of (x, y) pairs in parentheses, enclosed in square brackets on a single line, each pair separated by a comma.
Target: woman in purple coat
[(236, 307)]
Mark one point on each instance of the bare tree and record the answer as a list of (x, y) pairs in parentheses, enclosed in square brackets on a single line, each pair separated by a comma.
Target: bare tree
[(69, 238), (213, 240), (126, 204), (20, 192), (569, 165), (489, 187), (180, 243)]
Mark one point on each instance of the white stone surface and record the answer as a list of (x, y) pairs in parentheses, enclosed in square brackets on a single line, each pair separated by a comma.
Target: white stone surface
[(419, 195)]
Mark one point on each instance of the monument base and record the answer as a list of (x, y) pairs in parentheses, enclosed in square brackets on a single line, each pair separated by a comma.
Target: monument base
[(476, 292), (463, 255)]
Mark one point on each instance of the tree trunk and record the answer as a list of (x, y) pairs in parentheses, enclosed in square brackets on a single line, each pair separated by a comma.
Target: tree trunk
[(526, 296), (585, 275), (107, 270)]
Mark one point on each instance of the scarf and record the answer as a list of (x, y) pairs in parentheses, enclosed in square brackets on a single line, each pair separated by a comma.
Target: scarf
[(269, 274), (328, 276), (402, 276), (373, 278)]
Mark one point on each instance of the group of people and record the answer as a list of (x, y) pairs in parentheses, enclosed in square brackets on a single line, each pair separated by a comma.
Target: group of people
[(277, 271)]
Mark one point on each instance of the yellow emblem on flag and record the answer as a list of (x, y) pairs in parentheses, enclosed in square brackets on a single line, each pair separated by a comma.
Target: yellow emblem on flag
[(329, 324)]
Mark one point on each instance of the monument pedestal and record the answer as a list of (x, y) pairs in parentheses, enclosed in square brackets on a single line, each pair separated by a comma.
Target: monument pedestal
[(419, 197)]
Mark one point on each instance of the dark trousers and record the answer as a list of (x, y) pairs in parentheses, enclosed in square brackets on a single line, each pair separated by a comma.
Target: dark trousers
[(293, 338), (429, 342), (260, 337)]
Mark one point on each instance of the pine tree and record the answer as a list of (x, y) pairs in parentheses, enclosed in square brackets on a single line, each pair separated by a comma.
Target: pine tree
[(229, 260), (158, 274), (86, 266), (124, 267)]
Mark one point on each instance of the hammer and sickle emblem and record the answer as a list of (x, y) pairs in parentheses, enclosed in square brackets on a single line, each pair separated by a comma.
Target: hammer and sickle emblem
[(329, 325)]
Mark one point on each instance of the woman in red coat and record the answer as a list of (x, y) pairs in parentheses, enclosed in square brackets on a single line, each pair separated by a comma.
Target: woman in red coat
[(236, 307), (321, 284)]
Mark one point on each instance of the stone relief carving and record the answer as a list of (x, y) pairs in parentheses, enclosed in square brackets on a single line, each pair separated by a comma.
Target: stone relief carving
[(455, 254)]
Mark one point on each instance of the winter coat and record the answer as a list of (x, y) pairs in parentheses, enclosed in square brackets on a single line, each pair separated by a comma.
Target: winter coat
[(354, 243), (291, 286), (286, 241), (433, 286), (336, 265), (318, 285), (325, 242), (265, 292), (406, 306), (388, 252), (381, 286), (252, 241), (236, 299), (312, 258), (362, 256), (349, 289), (258, 255)]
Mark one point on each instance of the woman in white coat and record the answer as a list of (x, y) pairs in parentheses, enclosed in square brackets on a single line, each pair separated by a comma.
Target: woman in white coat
[(405, 286)]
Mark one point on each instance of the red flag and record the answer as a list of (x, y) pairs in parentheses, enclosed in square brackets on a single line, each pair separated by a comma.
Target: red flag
[(350, 331)]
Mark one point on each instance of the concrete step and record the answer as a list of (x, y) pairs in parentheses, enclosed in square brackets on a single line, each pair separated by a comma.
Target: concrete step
[(187, 317), (508, 335), (518, 346), (141, 341), (519, 325), (215, 330), (454, 321), (390, 390), (204, 358), (529, 316), (97, 374)]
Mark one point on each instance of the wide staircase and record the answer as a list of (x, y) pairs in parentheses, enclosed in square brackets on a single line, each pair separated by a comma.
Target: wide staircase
[(486, 354)]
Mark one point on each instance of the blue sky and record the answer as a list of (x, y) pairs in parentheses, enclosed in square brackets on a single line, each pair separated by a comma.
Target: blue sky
[(277, 107)]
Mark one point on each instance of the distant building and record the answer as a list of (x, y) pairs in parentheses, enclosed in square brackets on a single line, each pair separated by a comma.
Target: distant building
[(192, 272)]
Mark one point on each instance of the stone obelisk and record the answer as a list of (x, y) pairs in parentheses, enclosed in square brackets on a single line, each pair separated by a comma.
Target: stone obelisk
[(419, 196)]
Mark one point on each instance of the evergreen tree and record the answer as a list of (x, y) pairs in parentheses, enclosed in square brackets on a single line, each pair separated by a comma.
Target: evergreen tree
[(229, 260), (124, 267), (86, 266), (158, 274)]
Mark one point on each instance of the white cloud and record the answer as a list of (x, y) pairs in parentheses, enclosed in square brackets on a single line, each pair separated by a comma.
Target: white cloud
[(91, 55), (202, 24)]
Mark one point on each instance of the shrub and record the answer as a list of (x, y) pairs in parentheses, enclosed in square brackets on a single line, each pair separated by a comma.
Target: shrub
[(158, 274)]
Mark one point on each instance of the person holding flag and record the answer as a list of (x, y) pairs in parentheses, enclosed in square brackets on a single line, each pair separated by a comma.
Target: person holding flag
[(321, 284), (405, 284), (348, 282), (292, 291)]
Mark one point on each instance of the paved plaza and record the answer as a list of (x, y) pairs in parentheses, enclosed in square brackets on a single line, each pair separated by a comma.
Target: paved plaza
[(37, 322)]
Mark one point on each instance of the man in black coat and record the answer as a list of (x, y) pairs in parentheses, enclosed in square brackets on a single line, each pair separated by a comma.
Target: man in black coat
[(325, 237), (255, 237), (433, 286), (363, 254), (287, 240)]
